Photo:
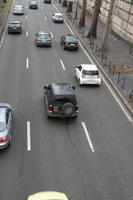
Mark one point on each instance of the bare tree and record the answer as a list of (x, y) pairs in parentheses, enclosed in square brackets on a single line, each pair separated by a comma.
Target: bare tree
[(64, 3), (69, 7), (108, 26), (93, 28), (82, 16)]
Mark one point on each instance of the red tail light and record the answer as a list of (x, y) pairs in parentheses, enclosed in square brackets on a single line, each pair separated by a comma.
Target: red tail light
[(49, 40), (83, 76), (77, 108), (4, 139), (50, 108), (38, 39), (66, 43), (77, 43)]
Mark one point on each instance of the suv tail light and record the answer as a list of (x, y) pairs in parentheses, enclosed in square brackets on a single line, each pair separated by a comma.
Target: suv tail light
[(50, 108), (77, 108)]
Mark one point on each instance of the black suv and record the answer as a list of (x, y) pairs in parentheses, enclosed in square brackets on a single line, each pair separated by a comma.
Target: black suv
[(14, 27), (60, 100)]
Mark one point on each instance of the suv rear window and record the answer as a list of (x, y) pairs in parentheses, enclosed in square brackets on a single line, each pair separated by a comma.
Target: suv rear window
[(63, 100), (87, 72)]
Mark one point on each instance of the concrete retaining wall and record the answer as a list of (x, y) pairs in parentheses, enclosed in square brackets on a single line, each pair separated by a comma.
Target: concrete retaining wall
[(122, 18)]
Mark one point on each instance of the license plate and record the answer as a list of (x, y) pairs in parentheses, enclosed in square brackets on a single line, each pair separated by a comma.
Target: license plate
[(72, 44), (55, 109)]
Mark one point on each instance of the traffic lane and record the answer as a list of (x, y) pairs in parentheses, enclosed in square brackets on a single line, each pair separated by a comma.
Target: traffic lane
[(59, 74), (12, 69)]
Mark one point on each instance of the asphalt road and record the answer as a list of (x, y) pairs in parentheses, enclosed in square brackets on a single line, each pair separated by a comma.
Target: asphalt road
[(61, 157)]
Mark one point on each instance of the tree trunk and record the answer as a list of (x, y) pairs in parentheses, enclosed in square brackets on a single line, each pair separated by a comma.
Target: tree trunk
[(64, 3), (82, 16), (1, 4), (69, 7), (107, 30), (93, 28)]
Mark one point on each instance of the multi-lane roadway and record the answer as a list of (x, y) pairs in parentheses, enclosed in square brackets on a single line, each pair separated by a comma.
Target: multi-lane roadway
[(90, 158)]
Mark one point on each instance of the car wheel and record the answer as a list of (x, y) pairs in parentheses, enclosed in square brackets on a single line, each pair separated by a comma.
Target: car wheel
[(9, 142), (63, 46), (80, 84), (68, 108)]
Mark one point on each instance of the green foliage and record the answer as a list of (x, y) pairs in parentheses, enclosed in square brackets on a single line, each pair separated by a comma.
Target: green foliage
[(6, 6)]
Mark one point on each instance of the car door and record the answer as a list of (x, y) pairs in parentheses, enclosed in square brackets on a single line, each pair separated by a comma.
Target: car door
[(78, 71)]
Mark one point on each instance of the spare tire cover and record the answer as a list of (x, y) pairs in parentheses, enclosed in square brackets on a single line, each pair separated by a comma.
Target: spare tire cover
[(68, 108)]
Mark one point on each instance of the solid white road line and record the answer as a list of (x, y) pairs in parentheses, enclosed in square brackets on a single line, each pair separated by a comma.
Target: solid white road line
[(62, 64), (28, 136), (88, 137), (27, 63), (27, 33)]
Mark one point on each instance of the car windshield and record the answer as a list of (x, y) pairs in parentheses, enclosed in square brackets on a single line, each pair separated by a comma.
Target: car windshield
[(62, 100), (59, 16), (71, 39), (44, 37), (2, 126), (88, 72)]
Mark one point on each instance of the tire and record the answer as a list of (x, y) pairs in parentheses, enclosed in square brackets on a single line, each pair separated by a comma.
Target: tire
[(67, 109), (80, 84), (63, 46)]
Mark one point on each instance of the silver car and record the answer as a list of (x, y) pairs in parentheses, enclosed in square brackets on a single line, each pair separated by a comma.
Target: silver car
[(18, 10), (5, 125)]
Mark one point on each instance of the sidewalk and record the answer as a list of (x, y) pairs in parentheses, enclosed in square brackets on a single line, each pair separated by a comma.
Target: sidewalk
[(118, 63)]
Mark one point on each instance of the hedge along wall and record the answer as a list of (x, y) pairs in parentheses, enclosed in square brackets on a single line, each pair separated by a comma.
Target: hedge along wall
[(122, 17)]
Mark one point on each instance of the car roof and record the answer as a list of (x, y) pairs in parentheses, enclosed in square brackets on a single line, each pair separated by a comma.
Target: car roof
[(2, 114), (14, 22), (90, 67), (58, 14), (43, 32), (18, 6), (60, 89)]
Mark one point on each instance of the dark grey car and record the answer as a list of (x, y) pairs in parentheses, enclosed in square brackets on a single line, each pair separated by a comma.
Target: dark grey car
[(5, 125), (14, 27), (60, 100)]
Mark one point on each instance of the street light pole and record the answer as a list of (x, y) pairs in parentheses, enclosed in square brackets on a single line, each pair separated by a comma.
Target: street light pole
[(76, 13)]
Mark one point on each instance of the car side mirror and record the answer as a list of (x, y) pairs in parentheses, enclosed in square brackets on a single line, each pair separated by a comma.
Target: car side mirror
[(73, 87)]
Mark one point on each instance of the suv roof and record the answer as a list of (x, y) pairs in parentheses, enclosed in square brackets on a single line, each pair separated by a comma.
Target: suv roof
[(14, 22), (60, 89)]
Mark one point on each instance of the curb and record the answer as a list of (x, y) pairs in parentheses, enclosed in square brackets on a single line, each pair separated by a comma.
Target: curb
[(113, 85)]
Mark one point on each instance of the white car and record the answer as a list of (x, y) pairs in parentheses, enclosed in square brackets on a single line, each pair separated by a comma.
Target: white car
[(58, 17), (18, 10), (88, 74)]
